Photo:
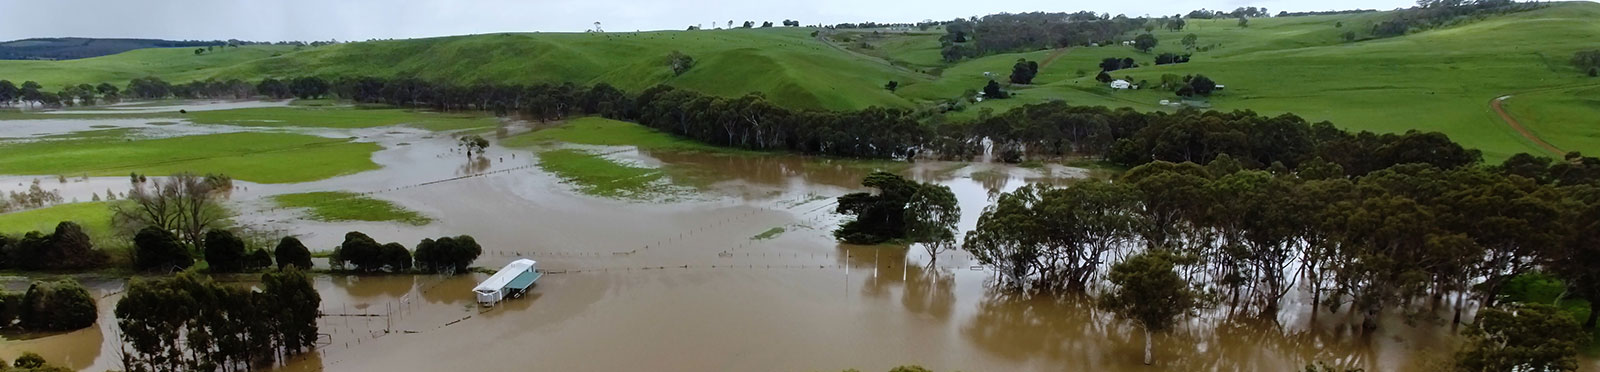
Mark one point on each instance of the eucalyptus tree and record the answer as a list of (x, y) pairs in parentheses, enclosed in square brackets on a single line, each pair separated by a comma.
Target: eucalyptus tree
[(1150, 293), (931, 216)]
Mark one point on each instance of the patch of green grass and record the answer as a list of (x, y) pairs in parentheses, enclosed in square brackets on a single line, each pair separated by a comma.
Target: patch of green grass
[(769, 234), (95, 217), (340, 117), (349, 206), (607, 132), (596, 175), (254, 157), (1564, 118), (1537, 287)]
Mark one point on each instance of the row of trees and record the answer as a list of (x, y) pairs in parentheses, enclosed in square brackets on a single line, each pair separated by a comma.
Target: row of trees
[(1008, 32), (190, 323), (68, 247), (448, 255), (31, 93), (1430, 14), (1376, 241)]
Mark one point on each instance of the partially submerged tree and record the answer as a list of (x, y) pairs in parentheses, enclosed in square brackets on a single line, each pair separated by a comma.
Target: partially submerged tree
[(1149, 293), (292, 253), (183, 203), (473, 144), (224, 252), (1526, 337), (159, 250), (879, 216), (931, 217), (448, 255)]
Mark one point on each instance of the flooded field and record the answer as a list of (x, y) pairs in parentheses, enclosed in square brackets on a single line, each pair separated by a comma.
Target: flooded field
[(701, 284)]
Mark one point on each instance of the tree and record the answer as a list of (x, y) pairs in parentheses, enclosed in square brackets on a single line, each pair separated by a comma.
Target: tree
[(292, 253), (880, 216), (224, 251), (257, 260), (1149, 293), (1202, 85), (184, 203), (30, 92), (1526, 337), (1190, 40), (309, 87), (1103, 77), (293, 309), (395, 257), (1024, 71), (1145, 42), (748, 24), (58, 306), (992, 91), (358, 250), (447, 255), (159, 250), (1244, 22), (8, 92), (473, 144), (931, 217), (198, 51), (1176, 24), (1586, 60), (274, 88), (767, 24), (892, 85), (679, 62), (1349, 36)]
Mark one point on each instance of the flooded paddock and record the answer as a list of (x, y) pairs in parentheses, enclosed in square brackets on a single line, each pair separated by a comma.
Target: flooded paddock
[(687, 285)]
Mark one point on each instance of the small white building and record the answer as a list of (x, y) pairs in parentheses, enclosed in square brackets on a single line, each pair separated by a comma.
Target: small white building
[(1121, 84), (511, 281)]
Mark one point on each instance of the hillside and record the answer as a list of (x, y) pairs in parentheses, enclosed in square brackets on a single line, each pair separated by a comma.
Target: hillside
[(1441, 79), (78, 47)]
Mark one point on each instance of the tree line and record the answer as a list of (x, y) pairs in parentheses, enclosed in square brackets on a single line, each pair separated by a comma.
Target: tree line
[(447, 255), (1429, 14), (191, 323), (1018, 32)]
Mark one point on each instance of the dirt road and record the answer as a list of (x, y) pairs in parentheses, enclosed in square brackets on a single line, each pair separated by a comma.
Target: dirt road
[(1496, 104)]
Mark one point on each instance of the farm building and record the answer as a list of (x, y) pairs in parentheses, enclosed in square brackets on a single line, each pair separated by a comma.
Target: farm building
[(1121, 84), (511, 281)]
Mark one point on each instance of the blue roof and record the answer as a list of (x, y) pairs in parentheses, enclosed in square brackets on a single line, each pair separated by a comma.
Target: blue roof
[(524, 280)]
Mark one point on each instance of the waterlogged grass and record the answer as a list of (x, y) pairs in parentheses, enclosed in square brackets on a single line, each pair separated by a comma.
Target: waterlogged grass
[(596, 175), (769, 234), (349, 206), (340, 117), (254, 157), (606, 132)]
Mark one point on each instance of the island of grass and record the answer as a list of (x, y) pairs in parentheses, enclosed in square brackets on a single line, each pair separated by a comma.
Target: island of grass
[(253, 157), (607, 132), (343, 117), (332, 206), (594, 174), (769, 234)]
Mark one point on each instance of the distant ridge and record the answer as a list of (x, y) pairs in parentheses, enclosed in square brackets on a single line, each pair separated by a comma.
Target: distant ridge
[(77, 47)]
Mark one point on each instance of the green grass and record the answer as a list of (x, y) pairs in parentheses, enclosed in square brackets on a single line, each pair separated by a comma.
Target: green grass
[(596, 175), (1542, 288), (607, 132), (95, 217), (254, 157), (349, 206), (1435, 80), (769, 234), (340, 117), (1556, 116)]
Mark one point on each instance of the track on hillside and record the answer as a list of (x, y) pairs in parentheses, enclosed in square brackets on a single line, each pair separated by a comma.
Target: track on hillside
[(1498, 109)]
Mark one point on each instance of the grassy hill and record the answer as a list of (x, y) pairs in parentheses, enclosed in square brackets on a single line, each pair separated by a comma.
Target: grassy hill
[(1441, 79)]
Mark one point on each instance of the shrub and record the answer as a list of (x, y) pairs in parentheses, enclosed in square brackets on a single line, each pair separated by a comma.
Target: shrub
[(224, 251), (291, 252), (57, 306), (158, 249)]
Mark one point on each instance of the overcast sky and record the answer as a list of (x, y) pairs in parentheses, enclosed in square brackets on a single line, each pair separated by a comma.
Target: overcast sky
[(346, 20)]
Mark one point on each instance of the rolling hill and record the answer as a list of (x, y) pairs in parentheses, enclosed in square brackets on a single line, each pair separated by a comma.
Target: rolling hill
[(1440, 80)]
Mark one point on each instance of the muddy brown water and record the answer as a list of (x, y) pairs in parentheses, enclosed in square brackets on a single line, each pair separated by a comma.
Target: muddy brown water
[(683, 285)]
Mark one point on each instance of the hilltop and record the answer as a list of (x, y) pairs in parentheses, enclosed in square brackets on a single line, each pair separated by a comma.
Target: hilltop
[(1441, 79), (78, 47)]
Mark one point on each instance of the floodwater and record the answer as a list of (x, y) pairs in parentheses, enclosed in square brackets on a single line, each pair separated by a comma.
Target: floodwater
[(683, 285)]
